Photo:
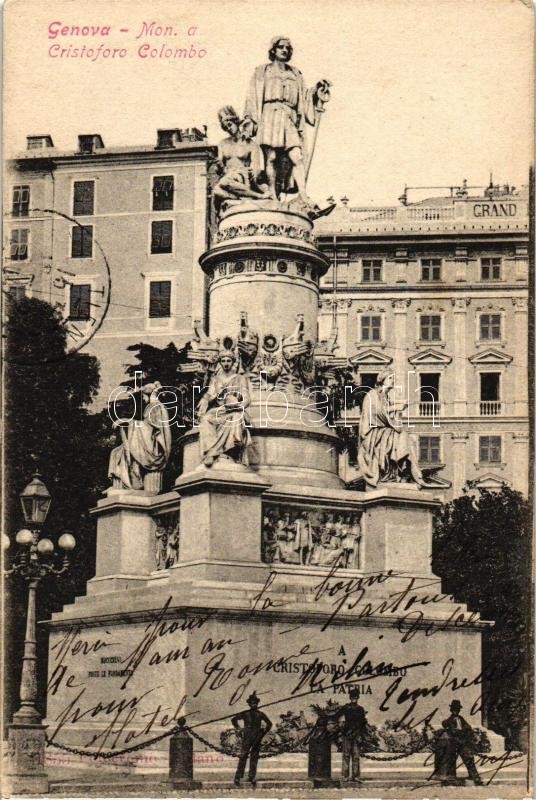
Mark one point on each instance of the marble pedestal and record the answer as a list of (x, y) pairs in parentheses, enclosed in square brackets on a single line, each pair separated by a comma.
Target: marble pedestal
[(196, 639)]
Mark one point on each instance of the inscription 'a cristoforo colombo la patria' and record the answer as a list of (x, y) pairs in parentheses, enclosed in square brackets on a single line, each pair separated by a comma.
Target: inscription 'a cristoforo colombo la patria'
[(187, 49)]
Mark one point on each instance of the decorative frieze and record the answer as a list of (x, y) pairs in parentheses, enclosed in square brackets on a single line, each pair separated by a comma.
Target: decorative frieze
[(460, 303), (401, 306), (264, 229), (316, 537)]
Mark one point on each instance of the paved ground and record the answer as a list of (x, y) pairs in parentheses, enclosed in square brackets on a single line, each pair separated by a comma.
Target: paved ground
[(91, 784)]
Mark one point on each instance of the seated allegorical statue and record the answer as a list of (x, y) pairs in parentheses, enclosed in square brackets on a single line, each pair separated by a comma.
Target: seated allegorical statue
[(222, 414), (138, 462), (385, 452), (241, 161)]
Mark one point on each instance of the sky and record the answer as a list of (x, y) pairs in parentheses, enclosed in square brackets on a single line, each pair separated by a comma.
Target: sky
[(424, 92)]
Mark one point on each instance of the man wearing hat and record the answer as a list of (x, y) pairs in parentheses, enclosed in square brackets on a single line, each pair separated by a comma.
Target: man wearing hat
[(253, 732), (461, 735), (353, 733)]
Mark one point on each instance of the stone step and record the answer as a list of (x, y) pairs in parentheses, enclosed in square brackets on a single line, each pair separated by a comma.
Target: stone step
[(283, 769)]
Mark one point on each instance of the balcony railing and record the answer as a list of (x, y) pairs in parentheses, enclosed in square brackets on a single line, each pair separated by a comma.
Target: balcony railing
[(429, 408), (490, 408)]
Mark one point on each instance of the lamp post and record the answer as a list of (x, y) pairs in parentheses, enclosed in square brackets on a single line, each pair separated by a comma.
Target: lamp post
[(26, 746)]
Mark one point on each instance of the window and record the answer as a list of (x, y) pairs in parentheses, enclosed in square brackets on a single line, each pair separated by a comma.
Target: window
[(490, 394), (16, 293), (18, 245), (490, 326), (429, 450), (429, 394), (431, 269), (372, 270), (430, 328), (489, 449), (82, 241), (160, 299), (163, 193), (429, 387), (490, 269), (80, 301), (366, 382), (371, 328), (161, 237), (490, 385), (21, 201), (83, 198)]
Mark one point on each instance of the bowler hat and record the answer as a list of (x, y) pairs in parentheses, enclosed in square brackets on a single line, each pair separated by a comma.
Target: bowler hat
[(456, 704), (253, 700)]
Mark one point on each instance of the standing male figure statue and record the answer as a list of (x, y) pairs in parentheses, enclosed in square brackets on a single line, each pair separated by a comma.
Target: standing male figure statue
[(277, 107), (255, 727)]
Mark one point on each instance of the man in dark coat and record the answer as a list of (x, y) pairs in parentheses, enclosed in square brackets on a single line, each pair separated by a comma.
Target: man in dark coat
[(253, 732), (461, 736), (353, 734)]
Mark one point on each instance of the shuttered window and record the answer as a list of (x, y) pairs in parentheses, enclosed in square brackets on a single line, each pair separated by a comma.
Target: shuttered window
[(80, 301), (160, 299), (162, 237), (82, 241), (83, 198), (163, 193), (18, 244), (21, 201)]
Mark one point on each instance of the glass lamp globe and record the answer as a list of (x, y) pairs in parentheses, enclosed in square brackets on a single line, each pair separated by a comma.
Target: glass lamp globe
[(24, 536), (67, 542), (6, 542), (45, 546), (35, 501)]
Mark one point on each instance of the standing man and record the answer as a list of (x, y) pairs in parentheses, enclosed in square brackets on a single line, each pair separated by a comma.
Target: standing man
[(253, 733), (461, 736), (277, 107), (353, 734)]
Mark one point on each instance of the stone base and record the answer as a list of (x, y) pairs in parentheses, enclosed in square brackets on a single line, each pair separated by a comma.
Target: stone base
[(196, 639), (186, 786), (326, 783), (25, 784), (25, 773)]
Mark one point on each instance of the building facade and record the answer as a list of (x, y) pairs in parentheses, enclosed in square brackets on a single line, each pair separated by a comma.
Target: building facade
[(436, 291), (111, 237)]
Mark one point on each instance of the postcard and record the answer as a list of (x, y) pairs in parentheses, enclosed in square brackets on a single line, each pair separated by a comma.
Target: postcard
[(268, 354)]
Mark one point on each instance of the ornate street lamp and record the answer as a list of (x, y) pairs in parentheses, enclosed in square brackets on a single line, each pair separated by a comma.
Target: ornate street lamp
[(26, 748)]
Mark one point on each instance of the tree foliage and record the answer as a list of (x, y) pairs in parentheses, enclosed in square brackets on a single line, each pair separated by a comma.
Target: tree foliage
[(49, 427), (482, 552)]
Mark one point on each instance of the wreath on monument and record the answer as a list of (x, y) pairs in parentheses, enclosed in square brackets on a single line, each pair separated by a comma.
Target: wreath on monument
[(292, 732)]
